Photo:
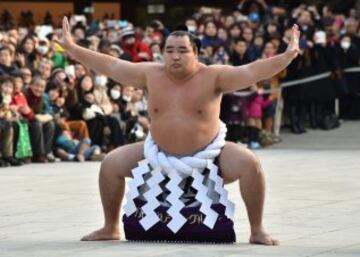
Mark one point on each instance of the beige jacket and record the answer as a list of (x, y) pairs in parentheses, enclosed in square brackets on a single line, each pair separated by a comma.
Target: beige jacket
[(102, 100)]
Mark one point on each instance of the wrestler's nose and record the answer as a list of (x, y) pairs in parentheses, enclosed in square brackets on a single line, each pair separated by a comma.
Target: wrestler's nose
[(176, 56)]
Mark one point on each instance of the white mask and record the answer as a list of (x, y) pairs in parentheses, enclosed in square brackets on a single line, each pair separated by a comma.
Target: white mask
[(42, 49), (345, 45), (320, 37), (101, 80), (191, 28), (126, 98), (115, 94)]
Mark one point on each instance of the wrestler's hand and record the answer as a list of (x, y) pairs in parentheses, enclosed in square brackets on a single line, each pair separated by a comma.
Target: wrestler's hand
[(66, 41), (293, 48)]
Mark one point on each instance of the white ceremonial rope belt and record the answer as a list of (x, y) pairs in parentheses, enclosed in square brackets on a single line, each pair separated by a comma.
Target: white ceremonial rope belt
[(160, 165)]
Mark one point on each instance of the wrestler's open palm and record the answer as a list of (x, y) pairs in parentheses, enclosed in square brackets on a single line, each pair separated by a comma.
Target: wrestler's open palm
[(293, 47), (66, 41)]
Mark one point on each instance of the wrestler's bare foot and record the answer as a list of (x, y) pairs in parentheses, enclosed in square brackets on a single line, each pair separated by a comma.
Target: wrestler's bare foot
[(263, 238), (102, 234)]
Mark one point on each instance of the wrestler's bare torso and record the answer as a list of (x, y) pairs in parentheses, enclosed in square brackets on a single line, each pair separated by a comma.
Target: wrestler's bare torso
[(184, 112), (184, 95)]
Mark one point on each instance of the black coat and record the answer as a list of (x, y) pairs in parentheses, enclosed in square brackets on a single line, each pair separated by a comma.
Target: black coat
[(323, 60), (8, 70), (237, 60), (300, 68), (350, 59)]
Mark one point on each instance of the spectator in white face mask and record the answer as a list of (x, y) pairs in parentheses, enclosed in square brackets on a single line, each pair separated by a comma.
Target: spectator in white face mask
[(102, 100), (43, 47), (101, 97), (114, 93), (191, 25)]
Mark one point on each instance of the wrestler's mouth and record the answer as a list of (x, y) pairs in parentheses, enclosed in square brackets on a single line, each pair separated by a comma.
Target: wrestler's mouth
[(176, 65)]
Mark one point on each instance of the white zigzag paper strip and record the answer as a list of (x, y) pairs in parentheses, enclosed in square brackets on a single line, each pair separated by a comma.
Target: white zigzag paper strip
[(151, 218), (205, 201), (134, 184), (176, 192), (219, 188)]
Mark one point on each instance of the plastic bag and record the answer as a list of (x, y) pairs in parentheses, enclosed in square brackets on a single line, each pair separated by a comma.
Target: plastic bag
[(23, 148)]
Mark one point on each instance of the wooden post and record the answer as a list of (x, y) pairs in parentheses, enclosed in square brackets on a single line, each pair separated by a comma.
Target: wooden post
[(278, 113)]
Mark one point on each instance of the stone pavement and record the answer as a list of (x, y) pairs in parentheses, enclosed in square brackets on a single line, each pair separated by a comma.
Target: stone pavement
[(312, 205)]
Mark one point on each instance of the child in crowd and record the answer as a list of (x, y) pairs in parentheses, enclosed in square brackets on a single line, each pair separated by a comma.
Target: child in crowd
[(254, 106), (70, 149), (19, 101)]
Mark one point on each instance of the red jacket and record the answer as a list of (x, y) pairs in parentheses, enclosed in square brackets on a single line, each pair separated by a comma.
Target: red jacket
[(137, 48), (20, 99)]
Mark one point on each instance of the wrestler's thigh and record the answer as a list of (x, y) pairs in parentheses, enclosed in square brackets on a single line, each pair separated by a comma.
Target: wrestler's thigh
[(235, 161), (123, 159)]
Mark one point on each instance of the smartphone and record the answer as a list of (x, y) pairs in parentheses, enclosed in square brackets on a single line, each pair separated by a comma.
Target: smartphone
[(303, 43)]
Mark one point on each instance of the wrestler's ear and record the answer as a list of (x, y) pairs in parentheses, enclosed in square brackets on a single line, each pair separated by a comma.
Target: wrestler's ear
[(198, 45)]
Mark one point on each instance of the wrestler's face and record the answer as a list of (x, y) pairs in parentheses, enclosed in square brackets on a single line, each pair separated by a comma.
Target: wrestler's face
[(179, 55)]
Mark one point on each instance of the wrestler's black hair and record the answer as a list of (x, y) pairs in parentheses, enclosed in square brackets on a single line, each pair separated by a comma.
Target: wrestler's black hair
[(194, 40)]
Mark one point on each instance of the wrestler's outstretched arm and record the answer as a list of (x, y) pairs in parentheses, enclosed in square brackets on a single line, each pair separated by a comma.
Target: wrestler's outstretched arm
[(126, 73), (234, 78)]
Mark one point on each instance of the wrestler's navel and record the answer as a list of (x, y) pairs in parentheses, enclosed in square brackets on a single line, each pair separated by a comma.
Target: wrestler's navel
[(199, 111), (156, 110)]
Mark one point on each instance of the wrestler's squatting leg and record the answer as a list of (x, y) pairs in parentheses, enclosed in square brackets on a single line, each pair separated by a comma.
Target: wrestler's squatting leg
[(114, 168), (239, 163), (236, 162)]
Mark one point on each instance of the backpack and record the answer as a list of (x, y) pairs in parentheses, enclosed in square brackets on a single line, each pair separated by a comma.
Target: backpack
[(329, 121)]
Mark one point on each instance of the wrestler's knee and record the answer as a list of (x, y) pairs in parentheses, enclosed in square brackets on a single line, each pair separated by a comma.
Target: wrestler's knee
[(110, 164), (252, 163), (121, 160), (237, 161), (106, 166)]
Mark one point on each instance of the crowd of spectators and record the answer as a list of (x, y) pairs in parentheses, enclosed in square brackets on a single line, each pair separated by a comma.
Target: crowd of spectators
[(52, 107)]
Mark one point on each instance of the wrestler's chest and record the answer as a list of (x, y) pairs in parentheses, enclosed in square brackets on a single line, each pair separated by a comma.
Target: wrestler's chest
[(186, 97)]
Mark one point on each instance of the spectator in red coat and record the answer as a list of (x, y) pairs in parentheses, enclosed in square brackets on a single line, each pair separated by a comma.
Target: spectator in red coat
[(132, 45), (19, 101)]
